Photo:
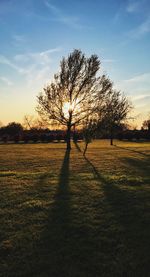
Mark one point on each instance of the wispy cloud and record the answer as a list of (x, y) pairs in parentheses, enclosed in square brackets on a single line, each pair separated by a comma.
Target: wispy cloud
[(133, 6), (60, 16), (141, 97), (142, 102), (138, 90), (37, 57), (136, 86), (34, 67), (38, 77), (145, 77), (6, 81), (29, 58), (6, 61), (141, 30), (19, 38)]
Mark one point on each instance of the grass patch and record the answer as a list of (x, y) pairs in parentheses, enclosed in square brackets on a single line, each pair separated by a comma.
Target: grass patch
[(65, 215)]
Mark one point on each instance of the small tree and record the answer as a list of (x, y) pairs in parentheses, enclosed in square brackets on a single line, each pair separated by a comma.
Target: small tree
[(146, 124), (30, 122), (116, 110), (72, 95), (89, 132)]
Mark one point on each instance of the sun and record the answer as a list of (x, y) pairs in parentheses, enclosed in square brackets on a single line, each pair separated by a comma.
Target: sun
[(67, 107)]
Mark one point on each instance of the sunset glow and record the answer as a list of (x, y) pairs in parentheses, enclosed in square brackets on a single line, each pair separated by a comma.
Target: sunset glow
[(117, 31), (67, 107), (74, 138)]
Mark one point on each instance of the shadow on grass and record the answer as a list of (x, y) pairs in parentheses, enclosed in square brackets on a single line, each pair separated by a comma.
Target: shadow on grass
[(131, 212), (110, 241), (68, 245), (77, 146), (132, 150), (56, 234), (140, 167)]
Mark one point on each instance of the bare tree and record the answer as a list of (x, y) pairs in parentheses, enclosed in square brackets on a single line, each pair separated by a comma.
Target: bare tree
[(28, 121), (71, 96), (32, 122)]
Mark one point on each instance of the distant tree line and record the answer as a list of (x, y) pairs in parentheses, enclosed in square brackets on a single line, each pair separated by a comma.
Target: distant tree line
[(123, 132), (15, 132)]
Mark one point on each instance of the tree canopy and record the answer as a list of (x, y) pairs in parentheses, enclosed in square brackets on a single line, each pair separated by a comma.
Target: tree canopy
[(76, 92)]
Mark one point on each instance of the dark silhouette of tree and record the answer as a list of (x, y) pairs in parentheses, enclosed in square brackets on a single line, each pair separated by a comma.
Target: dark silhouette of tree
[(30, 122), (117, 108), (89, 132), (74, 93), (13, 129), (146, 124)]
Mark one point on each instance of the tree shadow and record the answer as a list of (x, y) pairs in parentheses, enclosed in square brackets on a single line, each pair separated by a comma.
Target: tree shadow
[(68, 247), (131, 150), (130, 211), (55, 237), (140, 167), (85, 234), (77, 146)]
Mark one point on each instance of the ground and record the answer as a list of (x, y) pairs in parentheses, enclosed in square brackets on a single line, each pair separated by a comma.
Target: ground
[(68, 216)]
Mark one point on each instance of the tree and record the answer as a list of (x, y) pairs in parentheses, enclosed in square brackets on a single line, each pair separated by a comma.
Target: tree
[(116, 110), (30, 122), (74, 92), (13, 129), (146, 124), (89, 132)]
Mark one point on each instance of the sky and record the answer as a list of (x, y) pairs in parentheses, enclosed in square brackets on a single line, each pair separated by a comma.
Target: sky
[(36, 34)]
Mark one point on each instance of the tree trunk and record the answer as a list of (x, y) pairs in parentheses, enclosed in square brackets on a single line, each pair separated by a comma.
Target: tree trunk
[(68, 137), (84, 152), (111, 136), (111, 141)]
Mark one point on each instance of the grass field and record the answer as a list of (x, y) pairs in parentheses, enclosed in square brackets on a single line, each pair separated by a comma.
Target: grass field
[(65, 215)]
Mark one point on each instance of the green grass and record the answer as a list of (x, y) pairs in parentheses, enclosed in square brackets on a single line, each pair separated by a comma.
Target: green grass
[(65, 215)]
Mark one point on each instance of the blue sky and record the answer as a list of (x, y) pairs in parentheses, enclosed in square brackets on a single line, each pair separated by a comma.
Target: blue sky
[(35, 34)]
